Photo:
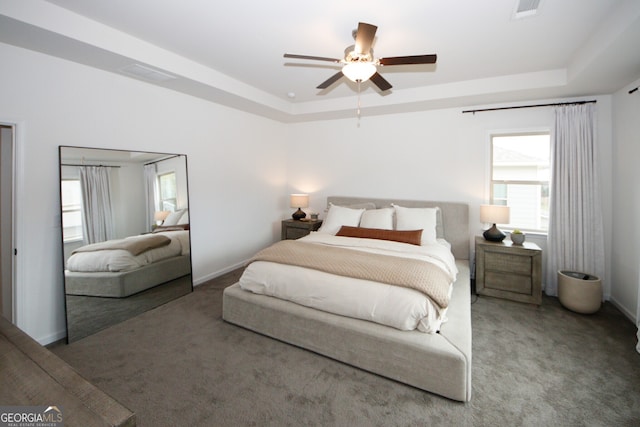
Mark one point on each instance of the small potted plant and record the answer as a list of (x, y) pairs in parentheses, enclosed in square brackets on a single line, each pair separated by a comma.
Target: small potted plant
[(517, 237)]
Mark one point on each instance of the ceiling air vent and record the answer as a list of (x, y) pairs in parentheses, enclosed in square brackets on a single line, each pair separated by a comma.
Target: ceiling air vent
[(146, 73), (526, 8)]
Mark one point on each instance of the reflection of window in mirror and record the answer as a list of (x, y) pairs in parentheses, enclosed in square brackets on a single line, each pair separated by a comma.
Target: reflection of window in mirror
[(167, 187), (71, 210)]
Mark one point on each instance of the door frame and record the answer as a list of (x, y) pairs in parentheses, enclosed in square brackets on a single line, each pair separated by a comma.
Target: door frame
[(17, 127)]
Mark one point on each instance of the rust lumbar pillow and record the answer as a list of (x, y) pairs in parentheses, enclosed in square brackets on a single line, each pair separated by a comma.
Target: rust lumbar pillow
[(413, 237)]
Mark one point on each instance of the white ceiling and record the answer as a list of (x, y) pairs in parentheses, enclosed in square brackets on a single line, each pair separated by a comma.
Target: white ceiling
[(232, 52)]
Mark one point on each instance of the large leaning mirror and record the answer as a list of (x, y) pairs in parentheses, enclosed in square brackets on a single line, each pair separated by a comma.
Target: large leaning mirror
[(125, 234)]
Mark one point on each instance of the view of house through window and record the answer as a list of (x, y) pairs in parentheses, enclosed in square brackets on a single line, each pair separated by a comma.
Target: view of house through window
[(71, 210), (520, 174), (167, 191)]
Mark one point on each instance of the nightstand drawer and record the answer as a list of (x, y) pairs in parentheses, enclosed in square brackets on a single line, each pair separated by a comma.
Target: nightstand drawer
[(295, 233), (516, 264), (295, 229), (507, 282)]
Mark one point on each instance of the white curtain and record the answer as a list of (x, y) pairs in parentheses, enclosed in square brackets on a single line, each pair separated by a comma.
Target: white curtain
[(97, 214), (150, 180), (576, 236)]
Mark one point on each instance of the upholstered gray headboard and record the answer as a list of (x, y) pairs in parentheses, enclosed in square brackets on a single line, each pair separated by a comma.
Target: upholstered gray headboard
[(455, 217)]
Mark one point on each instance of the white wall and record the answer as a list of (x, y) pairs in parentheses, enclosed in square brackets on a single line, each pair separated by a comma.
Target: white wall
[(236, 167), (433, 155), (625, 253)]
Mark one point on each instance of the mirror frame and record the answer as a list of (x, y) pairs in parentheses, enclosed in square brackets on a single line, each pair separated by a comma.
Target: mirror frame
[(157, 295)]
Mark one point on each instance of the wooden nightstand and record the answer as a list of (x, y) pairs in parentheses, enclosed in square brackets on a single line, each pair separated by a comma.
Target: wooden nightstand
[(509, 271), (292, 229)]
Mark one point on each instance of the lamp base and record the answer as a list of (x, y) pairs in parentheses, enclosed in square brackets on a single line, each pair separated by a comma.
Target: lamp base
[(298, 215), (493, 234)]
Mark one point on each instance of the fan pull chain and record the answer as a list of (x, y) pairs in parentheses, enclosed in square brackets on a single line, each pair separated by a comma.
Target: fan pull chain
[(358, 110)]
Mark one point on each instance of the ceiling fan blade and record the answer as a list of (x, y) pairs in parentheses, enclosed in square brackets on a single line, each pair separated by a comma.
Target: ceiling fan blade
[(331, 80), (364, 37), (381, 82), (406, 60), (315, 58)]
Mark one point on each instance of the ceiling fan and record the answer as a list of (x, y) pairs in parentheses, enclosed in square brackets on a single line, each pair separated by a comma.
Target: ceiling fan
[(359, 62)]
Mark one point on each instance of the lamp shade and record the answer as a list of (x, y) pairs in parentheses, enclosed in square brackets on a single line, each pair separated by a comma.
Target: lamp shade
[(359, 71), (299, 200), (160, 215), (494, 214)]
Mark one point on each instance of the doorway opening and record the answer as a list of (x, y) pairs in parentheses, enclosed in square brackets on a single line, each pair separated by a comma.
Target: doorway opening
[(7, 162)]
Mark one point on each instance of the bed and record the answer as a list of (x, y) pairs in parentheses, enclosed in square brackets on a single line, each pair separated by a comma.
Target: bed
[(123, 267), (436, 361)]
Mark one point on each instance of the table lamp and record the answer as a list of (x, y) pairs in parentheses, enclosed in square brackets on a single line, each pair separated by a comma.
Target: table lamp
[(160, 216), (299, 201), (494, 214)]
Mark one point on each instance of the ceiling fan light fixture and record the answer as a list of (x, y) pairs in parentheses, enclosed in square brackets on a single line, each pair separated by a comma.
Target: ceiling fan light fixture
[(359, 64), (359, 71)]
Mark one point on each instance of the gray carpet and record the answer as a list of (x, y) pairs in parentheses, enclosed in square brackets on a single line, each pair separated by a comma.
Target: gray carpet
[(181, 365)]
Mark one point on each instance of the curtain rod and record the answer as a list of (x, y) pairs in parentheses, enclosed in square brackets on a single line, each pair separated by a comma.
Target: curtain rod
[(100, 166), (163, 159), (531, 106)]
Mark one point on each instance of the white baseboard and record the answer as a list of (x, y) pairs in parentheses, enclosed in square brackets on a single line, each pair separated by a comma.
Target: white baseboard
[(210, 276), (624, 310), (51, 338)]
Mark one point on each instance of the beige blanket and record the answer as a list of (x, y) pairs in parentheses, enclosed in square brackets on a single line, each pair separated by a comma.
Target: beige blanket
[(135, 246), (411, 273)]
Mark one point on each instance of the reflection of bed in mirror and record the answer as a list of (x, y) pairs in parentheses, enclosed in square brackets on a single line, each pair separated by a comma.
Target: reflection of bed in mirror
[(137, 256), (112, 270)]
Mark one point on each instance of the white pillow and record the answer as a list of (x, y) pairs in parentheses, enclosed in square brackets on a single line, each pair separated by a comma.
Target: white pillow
[(365, 205), (339, 216), (173, 217), (417, 219), (377, 218), (184, 219)]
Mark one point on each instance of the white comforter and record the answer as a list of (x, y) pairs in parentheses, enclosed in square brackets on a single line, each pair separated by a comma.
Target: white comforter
[(394, 306), (122, 260)]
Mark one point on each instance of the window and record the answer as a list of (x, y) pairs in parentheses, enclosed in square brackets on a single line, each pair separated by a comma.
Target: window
[(167, 190), (520, 174), (71, 210)]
